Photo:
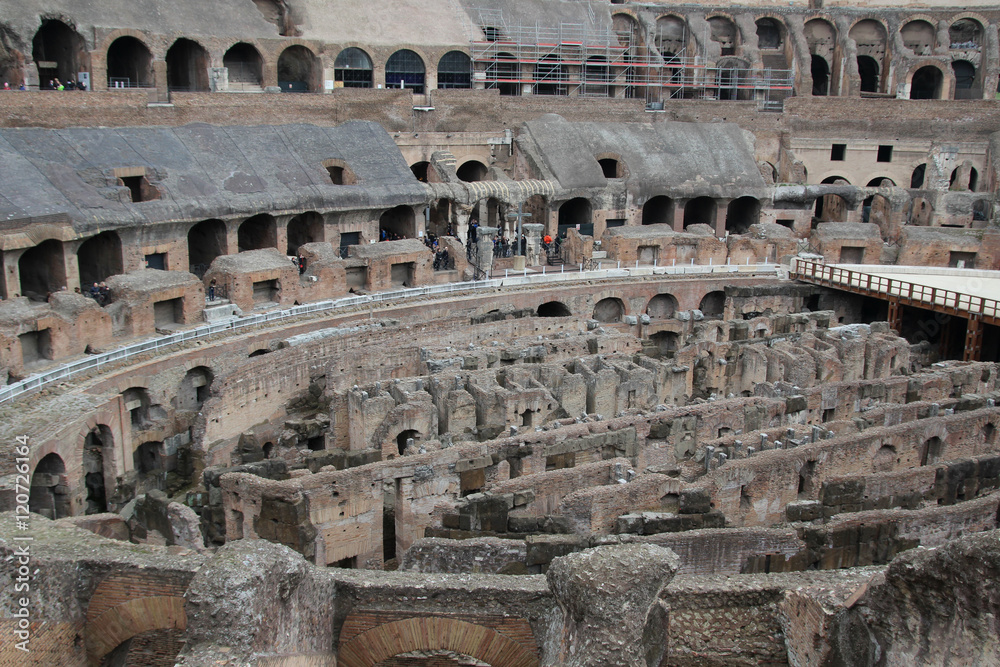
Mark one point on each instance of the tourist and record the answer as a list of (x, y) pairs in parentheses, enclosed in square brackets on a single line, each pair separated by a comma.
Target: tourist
[(211, 290)]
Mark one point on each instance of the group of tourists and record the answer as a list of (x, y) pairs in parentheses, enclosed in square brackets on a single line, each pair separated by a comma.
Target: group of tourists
[(100, 293)]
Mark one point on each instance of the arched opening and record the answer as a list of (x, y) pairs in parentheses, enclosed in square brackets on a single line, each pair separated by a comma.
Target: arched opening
[(195, 388), (297, 68), (917, 177), (713, 305), (876, 210), (353, 69), (130, 64), (665, 342), (609, 310), (136, 400), (724, 31), (59, 52), (661, 306), (658, 211), (403, 437), (920, 212), (42, 270), (147, 459), (868, 73), (973, 179), (955, 184), (553, 309), (245, 67), (472, 171), (258, 353), (671, 35), (455, 70), (268, 449), (576, 214), (831, 207), (596, 77), (490, 213), (699, 211), (989, 434), (303, 229), (550, 76), (920, 37), (612, 167), (257, 233), (820, 75), (187, 66), (98, 449), (965, 80), (99, 258), (926, 83), (504, 74), (741, 214), (870, 39), (931, 451), (419, 170), (405, 69), (885, 459), (768, 34), (49, 496), (206, 241), (397, 223), (965, 35)]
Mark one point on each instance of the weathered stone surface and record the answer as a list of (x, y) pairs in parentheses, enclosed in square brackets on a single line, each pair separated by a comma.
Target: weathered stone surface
[(609, 598)]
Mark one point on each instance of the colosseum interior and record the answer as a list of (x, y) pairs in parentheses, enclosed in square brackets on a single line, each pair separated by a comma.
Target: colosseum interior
[(499, 333)]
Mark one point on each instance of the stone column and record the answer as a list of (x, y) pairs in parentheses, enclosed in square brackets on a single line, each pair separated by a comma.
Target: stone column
[(533, 233), (721, 213), (679, 214), (484, 241), (11, 273), (71, 266)]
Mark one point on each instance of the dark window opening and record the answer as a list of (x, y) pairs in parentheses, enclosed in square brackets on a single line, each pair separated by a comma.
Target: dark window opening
[(353, 69), (455, 70), (139, 188), (610, 168), (157, 261), (838, 152), (884, 154), (36, 347), (265, 291), (553, 309), (168, 313), (405, 70), (316, 444)]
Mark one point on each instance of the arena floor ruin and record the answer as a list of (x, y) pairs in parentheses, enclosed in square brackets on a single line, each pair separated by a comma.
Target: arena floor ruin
[(740, 410)]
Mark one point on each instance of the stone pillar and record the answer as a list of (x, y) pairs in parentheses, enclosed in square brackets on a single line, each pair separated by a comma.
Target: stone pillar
[(679, 214), (484, 241), (11, 273), (71, 265), (232, 237), (721, 213), (160, 74), (612, 613), (533, 233)]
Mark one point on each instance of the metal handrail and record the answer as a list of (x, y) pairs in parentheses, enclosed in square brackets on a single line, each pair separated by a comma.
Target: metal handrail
[(98, 361)]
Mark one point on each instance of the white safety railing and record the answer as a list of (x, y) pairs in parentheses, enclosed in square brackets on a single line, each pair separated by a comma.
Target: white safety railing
[(97, 361)]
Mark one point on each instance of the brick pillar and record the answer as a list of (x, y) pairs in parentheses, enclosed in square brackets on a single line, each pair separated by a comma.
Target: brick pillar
[(679, 214), (71, 264), (721, 213)]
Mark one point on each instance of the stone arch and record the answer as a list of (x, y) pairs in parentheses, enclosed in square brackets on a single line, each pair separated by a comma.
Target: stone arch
[(920, 36), (554, 309), (870, 37), (399, 221), (194, 388), (820, 70), (455, 70), (741, 214), (821, 40), (968, 84), (206, 240), (700, 211), (99, 258), (831, 207), (931, 451), (608, 310), (723, 30), (353, 68), (965, 33), (575, 212), (662, 306), (658, 210), (245, 66), (48, 496), (420, 170), (612, 165), (427, 633), (671, 35), (917, 176), (133, 617), (472, 171), (187, 66), (129, 63), (626, 28), (304, 228), (298, 70), (256, 233), (98, 468), (405, 69), (713, 305), (770, 33), (920, 213), (926, 81), (42, 270), (56, 42)]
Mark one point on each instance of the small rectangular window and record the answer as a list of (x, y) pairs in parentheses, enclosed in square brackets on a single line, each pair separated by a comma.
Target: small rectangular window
[(884, 154), (837, 152)]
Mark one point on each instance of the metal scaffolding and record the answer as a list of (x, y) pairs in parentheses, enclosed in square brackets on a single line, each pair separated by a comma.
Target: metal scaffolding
[(578, 60)]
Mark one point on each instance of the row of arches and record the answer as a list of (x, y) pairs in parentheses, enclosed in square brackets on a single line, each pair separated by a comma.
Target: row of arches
[(60, 52), (661, 306)]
